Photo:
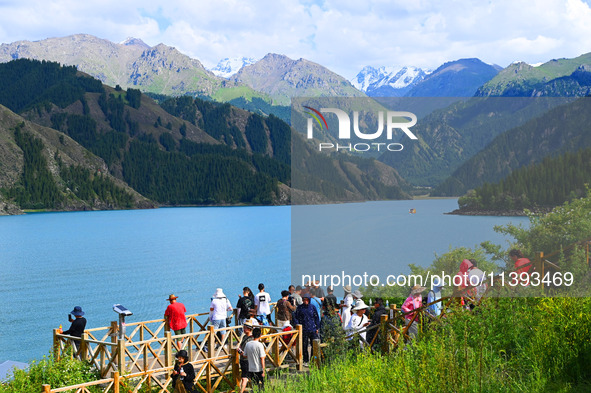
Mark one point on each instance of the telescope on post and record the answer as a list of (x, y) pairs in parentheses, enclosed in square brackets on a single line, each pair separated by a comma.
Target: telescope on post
[(123, 312)]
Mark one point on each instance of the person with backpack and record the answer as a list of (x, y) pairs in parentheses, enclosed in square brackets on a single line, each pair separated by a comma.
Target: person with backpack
[(317, 303), (284, 309), (244, 306), (433, 295)]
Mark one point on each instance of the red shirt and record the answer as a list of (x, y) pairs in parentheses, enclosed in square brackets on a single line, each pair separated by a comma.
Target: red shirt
[(176, 316), (520, 262)]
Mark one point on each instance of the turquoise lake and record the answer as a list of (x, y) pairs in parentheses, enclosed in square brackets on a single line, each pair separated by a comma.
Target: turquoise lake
[(52, 262)]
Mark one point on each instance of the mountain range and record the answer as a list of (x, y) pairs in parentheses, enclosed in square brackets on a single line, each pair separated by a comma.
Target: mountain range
[(447, 139), (459, 78), (185, 151)]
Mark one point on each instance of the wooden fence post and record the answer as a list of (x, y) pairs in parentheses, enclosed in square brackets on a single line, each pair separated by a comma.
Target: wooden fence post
[(540, 266), (168, 349), (116, 382), (210, 355), (384, 332), (83, 351), (316, 351), (145, 351), (113, 330), (299, 348), (235, 359), (46, 388), (56, 345)]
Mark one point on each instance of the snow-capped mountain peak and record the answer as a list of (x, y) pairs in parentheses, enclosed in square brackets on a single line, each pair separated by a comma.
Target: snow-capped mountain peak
[(386, 81), (228, 67)]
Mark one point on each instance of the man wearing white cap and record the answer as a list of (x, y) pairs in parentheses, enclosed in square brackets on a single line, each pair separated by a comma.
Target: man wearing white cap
[(220, 305)]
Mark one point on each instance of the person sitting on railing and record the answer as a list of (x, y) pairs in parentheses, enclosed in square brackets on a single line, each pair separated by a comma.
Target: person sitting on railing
[(307, 316), (412, 302), (78, 324), (358, 322), (183, 373)]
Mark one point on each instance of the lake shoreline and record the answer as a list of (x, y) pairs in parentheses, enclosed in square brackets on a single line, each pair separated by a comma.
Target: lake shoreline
[(498, 213)]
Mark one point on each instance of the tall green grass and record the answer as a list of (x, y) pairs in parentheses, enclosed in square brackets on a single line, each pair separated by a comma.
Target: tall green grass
[(505, 345)]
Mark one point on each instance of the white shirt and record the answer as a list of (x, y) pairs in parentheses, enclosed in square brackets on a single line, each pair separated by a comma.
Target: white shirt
[(476, 278), (346, 311), (262, 300), (220, 306), (356, 324)]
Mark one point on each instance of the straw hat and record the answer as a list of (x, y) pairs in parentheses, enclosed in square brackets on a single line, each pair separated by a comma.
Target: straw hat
[(417, 289), (172, 297), (360, 305), (347, 288)]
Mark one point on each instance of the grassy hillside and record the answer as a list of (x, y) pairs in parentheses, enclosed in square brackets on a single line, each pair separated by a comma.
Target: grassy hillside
[(522, 77)]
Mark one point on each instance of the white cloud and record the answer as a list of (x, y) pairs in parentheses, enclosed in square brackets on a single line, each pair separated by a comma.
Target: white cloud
[(343, 35)]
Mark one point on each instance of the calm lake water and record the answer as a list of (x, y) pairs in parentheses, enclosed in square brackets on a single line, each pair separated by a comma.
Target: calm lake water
[(52, 262)]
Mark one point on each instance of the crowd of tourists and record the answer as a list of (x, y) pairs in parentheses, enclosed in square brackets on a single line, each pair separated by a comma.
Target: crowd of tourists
[(308, 306)]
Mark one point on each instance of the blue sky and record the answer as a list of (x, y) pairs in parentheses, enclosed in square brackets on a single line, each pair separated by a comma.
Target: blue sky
[(343, 35)]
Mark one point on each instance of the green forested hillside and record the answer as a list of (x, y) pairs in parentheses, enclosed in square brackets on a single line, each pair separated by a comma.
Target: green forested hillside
[(566, 128), (187, 151), (450, 136), (26, 83), (544, 185), (44, 169)]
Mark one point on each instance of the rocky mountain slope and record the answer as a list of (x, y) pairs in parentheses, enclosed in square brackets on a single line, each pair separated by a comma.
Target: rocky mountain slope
[(66, 173), (282, 78)]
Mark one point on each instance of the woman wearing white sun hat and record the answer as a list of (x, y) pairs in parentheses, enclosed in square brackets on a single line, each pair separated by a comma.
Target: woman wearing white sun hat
[(359, 320)]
